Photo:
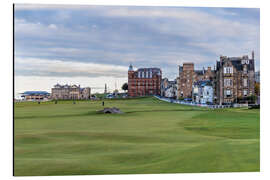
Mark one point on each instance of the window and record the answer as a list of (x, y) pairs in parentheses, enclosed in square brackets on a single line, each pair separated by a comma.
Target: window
[(245, 68), (228, 93), (245, 92), (227, 82), (228, 70), (245, 82)]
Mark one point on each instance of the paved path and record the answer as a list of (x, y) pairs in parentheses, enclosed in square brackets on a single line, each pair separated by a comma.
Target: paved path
[(191, 103)]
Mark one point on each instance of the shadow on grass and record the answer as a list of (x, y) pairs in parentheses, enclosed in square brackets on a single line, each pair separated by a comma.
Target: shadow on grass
[(98, 113)]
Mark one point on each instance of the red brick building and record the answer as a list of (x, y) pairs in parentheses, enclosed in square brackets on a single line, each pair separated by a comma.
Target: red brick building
[(144, 81)]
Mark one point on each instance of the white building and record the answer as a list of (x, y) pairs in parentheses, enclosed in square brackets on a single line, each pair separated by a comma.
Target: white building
[(202, 92), (168, 88), (171, 91)]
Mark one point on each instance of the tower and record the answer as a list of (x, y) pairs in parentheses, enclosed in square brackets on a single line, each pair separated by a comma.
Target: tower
[(130, 71), (130, 78), (130, 67), (105, 90)]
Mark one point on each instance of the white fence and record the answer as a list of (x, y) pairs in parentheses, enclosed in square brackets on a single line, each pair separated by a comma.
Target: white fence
[(192, 103)]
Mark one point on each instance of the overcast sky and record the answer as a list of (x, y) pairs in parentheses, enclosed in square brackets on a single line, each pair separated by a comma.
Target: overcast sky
[(94, 45)]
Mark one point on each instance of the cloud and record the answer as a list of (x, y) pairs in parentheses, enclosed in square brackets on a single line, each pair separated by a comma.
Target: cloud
[(39, 7), (58, 68), (52, 26), (146, 36), (36, 83)]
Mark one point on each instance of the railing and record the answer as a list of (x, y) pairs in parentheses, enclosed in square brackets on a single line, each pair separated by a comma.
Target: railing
[(192, 103)]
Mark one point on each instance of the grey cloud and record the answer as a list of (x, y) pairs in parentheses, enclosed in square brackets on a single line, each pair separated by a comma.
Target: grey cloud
[(58, 68), (151, 36)]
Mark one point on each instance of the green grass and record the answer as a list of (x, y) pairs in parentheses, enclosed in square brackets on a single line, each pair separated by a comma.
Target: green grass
[(150, 137)]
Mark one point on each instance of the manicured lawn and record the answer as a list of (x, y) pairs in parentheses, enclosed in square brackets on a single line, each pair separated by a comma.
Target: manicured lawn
[(150, 137)]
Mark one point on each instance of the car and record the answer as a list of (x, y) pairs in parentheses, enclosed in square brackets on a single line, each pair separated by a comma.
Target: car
[(110, 96), (188, 99)]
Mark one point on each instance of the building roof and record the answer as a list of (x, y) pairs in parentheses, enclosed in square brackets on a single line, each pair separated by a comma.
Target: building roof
[(149, 69), (66, 86), (35, 93), (130, 68), (155, 71), (236, 62)]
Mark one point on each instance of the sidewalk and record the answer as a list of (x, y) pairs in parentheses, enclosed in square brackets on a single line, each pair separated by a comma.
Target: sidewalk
[(191, 103)]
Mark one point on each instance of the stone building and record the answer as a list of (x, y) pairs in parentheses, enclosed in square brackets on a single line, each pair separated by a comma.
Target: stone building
[(144, 81), (235, 78), (70, 92), (188, 75)]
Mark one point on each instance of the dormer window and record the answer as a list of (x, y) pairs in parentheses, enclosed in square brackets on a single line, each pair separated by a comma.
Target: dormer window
[(245, 61)]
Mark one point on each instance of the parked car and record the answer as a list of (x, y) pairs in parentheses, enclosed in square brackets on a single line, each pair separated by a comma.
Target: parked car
[(124, 96), (188, 99), (110, 96)]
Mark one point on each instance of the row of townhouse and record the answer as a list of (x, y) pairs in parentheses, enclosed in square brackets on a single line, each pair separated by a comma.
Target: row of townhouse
[(232, 79)]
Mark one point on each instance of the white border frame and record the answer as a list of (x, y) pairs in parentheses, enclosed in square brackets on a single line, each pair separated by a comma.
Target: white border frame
[(6, 15)]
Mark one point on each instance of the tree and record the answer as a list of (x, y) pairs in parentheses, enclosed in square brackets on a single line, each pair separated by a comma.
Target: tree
[(125, 86), (257, 89)]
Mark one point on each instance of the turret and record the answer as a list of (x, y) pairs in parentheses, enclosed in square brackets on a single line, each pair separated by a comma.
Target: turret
[(130, 68)]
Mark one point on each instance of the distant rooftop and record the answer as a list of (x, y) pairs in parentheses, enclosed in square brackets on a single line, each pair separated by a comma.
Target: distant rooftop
[(148, 69), (35, 93)]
